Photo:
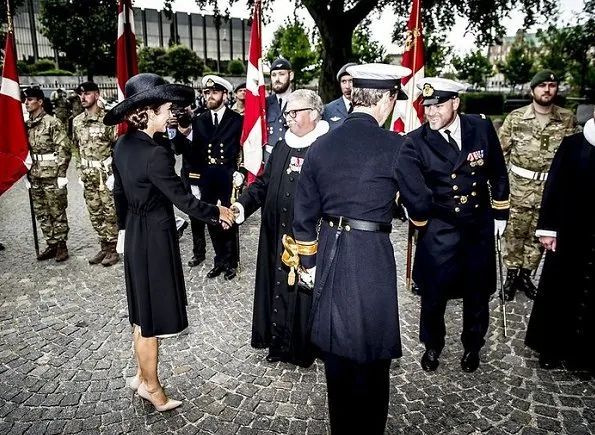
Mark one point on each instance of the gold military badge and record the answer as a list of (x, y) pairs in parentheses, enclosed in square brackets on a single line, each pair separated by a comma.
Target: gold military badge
[(428, 90), (210, 83)]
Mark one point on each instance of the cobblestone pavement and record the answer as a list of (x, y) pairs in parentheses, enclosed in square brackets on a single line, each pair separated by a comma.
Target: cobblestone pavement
[(65, 356)]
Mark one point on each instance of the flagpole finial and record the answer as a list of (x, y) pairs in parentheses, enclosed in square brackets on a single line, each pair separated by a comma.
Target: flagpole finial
[(9, 17)]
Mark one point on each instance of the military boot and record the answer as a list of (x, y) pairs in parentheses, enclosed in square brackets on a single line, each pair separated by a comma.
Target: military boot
[(61, 252), (511, 285), (527, 285), (50, 252), (111, 256), (100, 255)]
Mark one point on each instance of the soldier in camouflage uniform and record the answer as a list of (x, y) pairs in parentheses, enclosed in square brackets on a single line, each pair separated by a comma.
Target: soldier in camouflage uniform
[(76, 107), (62, 107), (50, 153), (530, 137), (94, 141)]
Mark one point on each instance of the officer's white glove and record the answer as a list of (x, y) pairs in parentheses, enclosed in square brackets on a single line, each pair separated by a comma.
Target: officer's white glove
[(238, 179), (238, 211), (109, 183), (195, 191), (62, 182), (307, 277), (499, 227), (120, 243)]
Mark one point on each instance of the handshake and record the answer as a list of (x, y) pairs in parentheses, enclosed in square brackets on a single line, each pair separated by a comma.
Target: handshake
[(231, 215)]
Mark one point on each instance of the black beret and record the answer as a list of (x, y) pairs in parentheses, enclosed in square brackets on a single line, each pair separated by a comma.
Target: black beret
[(545, 75), (240, 86), (87, 87), (34, 92), (280, 63)]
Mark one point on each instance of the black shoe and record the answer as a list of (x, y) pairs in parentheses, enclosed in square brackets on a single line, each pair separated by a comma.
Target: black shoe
[(415, 289), (181, 230), (216, 271), (527, 285), (429, 360), (195, 261), (230, 273), (548, 362), (273, 358), (511, 285), (470, 361)]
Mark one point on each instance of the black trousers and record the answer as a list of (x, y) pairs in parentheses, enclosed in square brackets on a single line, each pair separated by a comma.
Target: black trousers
[(199, 244), (358, 395), (476, 319), (225, 245)]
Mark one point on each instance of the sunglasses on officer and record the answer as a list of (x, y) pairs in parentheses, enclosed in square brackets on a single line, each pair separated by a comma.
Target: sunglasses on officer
[(293, 113)]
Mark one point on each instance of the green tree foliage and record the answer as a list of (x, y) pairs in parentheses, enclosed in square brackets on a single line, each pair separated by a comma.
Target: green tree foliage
[(336, 21), (154, 60), (518, 67), (236, 67), (473, 68), (293, 43), (569, 50), (436, 51), (15, 5), (84, 30), (184, 64), (365, 50)]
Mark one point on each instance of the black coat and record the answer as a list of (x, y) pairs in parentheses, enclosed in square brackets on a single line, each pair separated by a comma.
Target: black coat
[(145, 188), (351, 172), (212, 157), (562, 321), (280, 311), (457, 194), (276, 125)]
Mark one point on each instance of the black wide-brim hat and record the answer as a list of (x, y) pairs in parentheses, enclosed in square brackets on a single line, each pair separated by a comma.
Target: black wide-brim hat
[(147, 89)]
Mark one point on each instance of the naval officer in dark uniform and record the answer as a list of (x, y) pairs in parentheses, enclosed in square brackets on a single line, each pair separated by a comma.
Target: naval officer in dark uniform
[(337, 110), (281, 78), (454, 184), (214, 144), (348, 183)]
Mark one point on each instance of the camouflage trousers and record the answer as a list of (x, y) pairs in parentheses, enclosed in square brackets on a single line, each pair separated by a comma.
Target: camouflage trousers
[(49, 205), (521, 248), (100, 204)]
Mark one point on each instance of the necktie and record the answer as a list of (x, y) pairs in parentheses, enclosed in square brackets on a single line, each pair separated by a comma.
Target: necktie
[(452, 141), (350, 107), (281, 103), (216, 122)]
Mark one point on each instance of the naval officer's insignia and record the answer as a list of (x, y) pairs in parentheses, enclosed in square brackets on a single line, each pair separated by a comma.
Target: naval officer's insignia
[(428, 90)]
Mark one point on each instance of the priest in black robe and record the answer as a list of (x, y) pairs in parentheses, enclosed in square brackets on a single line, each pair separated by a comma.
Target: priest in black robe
[(281, 306), (562, 323)]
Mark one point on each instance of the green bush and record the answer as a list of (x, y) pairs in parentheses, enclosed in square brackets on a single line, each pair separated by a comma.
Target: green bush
[(236, 67), (488, 103), (43, 65), (54, 72)]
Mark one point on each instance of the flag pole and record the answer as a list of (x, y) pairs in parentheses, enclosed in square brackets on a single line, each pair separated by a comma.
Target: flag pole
[(33, 221), (414, 69)]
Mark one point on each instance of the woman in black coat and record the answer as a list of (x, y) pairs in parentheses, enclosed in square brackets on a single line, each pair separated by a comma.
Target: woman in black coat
[(281, 309), (562, 323), (145, 188)]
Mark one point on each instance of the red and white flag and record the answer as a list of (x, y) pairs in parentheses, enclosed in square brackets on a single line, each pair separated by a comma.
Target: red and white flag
[(254, 132), (127, 61), (14, 148), (408, 114)]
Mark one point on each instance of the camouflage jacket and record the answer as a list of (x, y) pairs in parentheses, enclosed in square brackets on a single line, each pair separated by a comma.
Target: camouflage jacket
[(62, 107), (92, 137), (47, 135), (527, 145)]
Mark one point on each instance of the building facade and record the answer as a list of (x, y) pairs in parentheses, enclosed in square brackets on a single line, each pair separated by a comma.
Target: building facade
[(219, 40)]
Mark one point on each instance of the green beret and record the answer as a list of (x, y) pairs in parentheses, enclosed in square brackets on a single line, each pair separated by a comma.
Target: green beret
[(545, 75)]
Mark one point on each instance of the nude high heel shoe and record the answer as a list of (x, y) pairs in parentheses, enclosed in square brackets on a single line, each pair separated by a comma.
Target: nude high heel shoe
[(135, 383), (167, 406)]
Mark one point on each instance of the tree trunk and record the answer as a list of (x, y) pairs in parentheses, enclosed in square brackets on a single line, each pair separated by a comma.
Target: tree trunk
[(336, 26)]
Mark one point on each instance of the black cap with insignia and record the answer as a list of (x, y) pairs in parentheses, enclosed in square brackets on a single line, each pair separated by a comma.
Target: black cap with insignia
[(87, 87), (33, 92), (545, 75), (280, 63)]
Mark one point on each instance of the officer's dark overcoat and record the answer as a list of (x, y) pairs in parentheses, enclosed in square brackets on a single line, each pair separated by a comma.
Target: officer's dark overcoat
[(459, 193), (276, 125), (351, 172)]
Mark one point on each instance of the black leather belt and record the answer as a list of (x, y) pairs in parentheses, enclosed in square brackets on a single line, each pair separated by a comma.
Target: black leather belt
[(356, 224)]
